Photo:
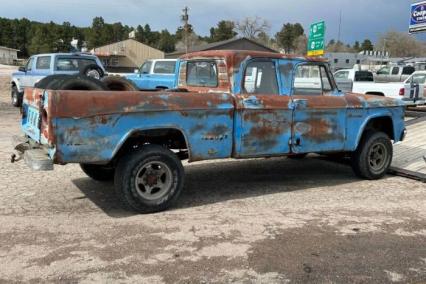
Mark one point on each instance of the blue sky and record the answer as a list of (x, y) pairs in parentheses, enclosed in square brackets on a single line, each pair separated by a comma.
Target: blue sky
[(360, 18)]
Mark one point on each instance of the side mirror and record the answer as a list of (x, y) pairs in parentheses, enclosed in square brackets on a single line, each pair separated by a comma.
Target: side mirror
[(22, 69)]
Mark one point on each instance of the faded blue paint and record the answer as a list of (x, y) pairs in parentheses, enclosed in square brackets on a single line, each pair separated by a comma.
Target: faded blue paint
[(244, 126)]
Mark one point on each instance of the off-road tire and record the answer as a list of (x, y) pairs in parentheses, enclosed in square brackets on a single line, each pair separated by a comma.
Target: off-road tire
[(126, 176), (117, 83), (44, 83), (361, 159), (77, 82), (16, 97), (98, 172)]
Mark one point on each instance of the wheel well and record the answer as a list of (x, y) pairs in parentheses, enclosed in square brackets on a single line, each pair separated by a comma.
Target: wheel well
[(170, 138), (375, 94), (382, 124)]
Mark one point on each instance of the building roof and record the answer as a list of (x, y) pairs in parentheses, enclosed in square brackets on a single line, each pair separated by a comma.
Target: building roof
[(8, 48), (218, 44), (235, 57), (118, 52)]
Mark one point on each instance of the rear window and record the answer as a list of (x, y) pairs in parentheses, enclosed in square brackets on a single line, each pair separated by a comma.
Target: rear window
[(67, 64), (408, 70), (164, 67), (364, 76), (201, 74), (43, 62), (73, 63)]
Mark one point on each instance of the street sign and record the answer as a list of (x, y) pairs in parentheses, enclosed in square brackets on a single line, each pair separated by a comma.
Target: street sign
[(418, 17), (316, 39)]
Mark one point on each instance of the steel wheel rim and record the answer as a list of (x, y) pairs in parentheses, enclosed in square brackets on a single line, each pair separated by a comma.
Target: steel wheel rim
[(153, 180), (93, 73), (377, 157)]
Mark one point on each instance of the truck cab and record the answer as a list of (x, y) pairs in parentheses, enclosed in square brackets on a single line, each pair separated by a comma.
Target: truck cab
[(42, 65), (393, 73), (155, 74)]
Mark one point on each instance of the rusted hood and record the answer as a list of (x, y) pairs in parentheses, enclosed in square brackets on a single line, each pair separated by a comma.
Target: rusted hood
[(90, 103)]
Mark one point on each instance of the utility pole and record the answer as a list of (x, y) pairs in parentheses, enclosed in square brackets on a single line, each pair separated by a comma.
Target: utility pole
[(185, 18), (340, 25)]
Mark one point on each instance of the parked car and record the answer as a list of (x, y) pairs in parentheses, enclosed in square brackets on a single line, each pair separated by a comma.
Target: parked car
[(155, 74), (292, 108), (345, 78), (43, 65), (394, 73)]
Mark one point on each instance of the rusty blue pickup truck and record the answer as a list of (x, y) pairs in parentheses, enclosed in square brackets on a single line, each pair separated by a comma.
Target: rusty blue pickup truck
[(226, 104)]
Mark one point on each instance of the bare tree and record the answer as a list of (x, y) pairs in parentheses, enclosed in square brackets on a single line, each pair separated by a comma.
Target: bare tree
[(252, 27), (401, 45), (301, 44)]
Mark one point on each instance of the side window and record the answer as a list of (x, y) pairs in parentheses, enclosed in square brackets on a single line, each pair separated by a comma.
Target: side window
[(418, 79), (383, 71), (164, 67), (201, 74), (395, 70), (29, 65), (85, 62), (260, 78), (408, 70), (341, 75), (43, 62), (67, 64), (146, 67), (311, 80)]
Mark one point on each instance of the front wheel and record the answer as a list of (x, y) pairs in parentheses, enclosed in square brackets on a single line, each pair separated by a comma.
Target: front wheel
[(149, 180), (16, 97), (373, 156)]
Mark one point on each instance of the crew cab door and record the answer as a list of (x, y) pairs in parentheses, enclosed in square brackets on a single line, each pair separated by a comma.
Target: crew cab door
[(319, 119), (264, 114), (142, 80)]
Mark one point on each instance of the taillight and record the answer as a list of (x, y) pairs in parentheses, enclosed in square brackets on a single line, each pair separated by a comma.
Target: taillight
[(401, 92)]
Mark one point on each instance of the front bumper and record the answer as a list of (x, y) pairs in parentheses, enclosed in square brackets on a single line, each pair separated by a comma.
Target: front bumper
[(34, 155)]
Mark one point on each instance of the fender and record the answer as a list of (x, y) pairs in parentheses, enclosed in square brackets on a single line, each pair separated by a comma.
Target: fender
[(136, 130), (17, 84), (381, 113)]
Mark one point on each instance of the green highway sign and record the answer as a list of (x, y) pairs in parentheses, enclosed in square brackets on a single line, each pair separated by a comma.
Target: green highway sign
[(316, 39)]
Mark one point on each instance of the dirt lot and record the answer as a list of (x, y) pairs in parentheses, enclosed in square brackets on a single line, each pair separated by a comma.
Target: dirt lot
[(256, 221)]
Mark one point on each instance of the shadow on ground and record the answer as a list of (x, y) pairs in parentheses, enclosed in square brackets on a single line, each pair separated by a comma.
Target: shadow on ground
[(217, 182)]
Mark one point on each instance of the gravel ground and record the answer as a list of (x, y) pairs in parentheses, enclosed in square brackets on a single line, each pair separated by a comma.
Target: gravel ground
[(254, 221)]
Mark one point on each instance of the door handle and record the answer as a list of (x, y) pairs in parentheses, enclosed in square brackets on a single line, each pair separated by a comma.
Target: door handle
[(251, 101), (300, 103)]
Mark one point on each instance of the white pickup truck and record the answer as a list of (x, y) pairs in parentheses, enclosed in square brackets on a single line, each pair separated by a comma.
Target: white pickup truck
[(411, 91)]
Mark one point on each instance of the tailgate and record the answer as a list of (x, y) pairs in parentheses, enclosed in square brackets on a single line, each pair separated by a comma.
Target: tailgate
[(31, 119)]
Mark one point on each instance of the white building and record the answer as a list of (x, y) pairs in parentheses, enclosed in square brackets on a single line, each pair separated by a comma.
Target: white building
[(8, 55)]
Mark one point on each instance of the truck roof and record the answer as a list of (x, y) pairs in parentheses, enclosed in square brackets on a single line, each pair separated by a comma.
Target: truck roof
[(237, 56)]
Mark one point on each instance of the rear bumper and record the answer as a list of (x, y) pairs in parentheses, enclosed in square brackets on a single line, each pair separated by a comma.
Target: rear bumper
[(412, 102), (35, 156)]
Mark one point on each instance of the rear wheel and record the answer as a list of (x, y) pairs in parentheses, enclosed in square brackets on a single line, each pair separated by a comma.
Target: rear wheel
[(149, 180), (98, 172), (373, 156)]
